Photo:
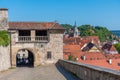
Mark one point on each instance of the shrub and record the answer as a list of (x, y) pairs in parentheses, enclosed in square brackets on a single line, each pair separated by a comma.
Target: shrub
[(71, 58), (4, 38)]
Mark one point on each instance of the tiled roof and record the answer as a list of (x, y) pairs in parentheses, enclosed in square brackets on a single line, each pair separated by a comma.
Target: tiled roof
[(72, 40), (113, 48), (3, 9), (94, 56), (81, 40), (106, 46), (88, 46), (97, 59), (104, 63), (71, 48), (109, 48), (112, 56), (34, 25)]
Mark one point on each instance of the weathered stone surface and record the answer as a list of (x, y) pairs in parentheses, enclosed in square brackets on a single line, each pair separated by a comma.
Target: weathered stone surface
[(46, 72), (3, 19), (89, 72), (4, 58), (54, 45)]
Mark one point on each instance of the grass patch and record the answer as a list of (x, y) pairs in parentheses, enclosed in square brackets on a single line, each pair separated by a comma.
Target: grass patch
[(38, 65), (12, 68)]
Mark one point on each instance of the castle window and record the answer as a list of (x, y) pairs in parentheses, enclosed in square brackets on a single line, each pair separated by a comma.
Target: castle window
[(49, 55)]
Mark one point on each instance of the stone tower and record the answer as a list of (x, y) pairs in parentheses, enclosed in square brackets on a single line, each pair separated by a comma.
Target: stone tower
[(3, 19), (76, 33)]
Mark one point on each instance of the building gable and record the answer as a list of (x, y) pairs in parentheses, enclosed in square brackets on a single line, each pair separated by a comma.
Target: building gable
[(94, 49)]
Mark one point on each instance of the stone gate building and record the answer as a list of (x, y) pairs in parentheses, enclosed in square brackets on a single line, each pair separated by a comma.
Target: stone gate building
[(35, 43)]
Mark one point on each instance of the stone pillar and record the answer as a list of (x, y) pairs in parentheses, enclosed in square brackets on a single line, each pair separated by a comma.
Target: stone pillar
[(32, 35), (14, 52), (36, 57), (3, 19)]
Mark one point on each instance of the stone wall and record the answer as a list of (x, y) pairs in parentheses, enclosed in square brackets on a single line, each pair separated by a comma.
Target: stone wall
[(54, 45), (89, 72), (3, 19), (4, 58)]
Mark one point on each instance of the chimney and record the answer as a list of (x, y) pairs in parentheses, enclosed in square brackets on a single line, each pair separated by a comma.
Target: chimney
[(83, 57), (110, 61), (3, 19)]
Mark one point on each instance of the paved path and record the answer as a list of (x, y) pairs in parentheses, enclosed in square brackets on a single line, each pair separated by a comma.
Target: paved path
[(49, 72)]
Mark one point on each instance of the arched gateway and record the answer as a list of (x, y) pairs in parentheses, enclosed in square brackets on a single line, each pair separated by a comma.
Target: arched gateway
[(35, 43), (24, 58)]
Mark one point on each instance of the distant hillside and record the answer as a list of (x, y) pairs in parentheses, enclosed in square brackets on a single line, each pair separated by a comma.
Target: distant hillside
[(103, 33), (88, 30), (116, 32)]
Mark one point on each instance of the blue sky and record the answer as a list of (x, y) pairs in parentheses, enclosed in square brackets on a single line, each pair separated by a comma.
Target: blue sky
[(94, 12)]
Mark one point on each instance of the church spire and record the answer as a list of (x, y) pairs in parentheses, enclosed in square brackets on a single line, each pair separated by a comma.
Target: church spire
[(75, 24), (75, 30)]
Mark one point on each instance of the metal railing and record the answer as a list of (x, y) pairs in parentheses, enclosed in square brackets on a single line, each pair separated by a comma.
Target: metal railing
[(32, 39)]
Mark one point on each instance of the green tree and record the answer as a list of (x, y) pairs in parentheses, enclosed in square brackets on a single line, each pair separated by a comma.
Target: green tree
[(103, 33), (67, 27), (117, 46), (4, 38), (71, 58), (88, 30)]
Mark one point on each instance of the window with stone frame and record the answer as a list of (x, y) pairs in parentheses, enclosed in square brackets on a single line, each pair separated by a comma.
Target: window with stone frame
[(49, 55)]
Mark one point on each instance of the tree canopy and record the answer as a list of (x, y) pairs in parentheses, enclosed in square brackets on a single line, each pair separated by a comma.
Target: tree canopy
[(103, 33), (117, 46), (4, 38), (87, 30), (67, 27)]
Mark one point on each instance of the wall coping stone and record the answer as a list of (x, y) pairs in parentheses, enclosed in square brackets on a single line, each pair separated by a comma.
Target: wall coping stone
[(97, 68)]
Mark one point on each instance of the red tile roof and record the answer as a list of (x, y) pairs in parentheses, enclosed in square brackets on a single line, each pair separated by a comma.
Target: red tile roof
[(81, 40), (113, 48), (34, 25), (112, 56), (3, 9), (94, 56), (71, 48), (104, 63)]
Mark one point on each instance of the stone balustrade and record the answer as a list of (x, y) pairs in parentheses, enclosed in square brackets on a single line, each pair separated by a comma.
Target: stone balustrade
[(89, 72), (32, 39)]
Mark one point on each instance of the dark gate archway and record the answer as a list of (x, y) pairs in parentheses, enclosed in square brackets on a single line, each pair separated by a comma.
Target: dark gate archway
[(24, 58)]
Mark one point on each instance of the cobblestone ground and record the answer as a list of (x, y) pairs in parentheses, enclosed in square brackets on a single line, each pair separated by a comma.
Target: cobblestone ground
[(49, 72)]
